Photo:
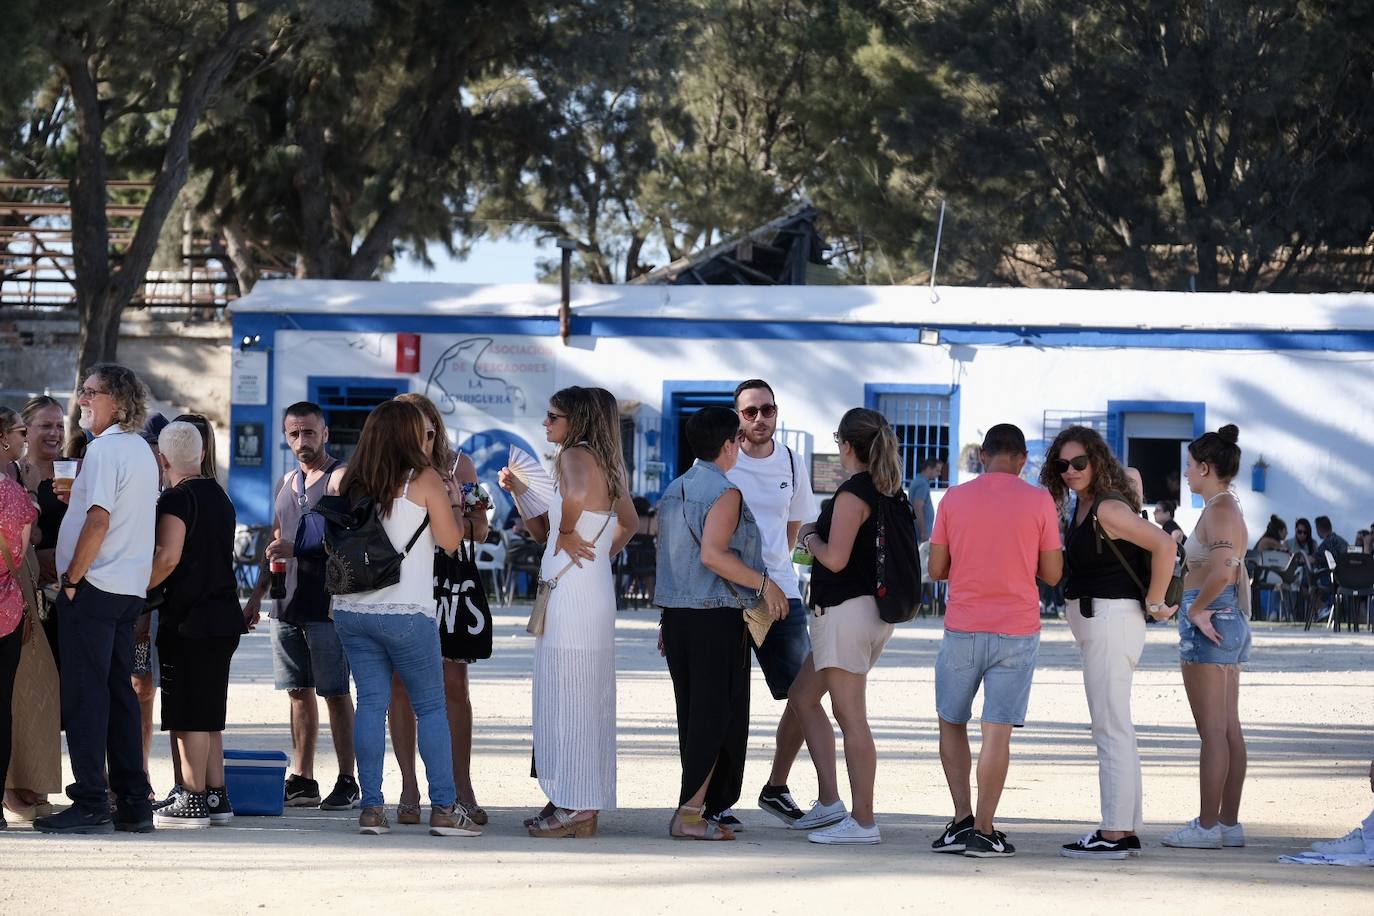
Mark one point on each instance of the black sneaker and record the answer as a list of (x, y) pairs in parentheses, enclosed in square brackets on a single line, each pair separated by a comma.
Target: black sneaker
[(217, 801), (1095, 846), (190, 810), (138, 819), (955, 836), (345, 796), (985, 846), (75, 820), (778, 801), (302, 792), (171, 797), (726, 819), (1132, 844)]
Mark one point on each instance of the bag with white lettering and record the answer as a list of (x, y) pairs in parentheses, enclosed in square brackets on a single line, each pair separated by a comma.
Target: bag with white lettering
[(460, 600)]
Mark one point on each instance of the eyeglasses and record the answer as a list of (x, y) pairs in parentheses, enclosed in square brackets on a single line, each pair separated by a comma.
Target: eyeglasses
[(769, 411), (836, 436), (1078, 463), (555, 417), (739, 435), (21, 430), (84, 392), (429, 435)]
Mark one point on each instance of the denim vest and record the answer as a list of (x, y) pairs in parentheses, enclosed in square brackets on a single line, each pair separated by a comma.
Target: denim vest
[(680, 578)]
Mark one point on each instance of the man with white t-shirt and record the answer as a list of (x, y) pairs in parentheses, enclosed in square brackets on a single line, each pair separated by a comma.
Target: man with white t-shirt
[(777, 489)]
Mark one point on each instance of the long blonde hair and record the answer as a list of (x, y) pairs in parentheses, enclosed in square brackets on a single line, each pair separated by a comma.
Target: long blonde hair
[(875, 444), (592, 424)]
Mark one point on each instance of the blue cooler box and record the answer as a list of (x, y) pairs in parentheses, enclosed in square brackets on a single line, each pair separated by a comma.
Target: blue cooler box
[(256, 781)]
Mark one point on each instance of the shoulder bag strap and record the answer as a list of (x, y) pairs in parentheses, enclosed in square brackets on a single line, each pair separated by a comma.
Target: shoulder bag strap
[(791, 466), (572, 563), (1098, 533)]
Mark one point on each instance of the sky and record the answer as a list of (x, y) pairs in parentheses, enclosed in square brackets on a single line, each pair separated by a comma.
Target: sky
[(490, 261)]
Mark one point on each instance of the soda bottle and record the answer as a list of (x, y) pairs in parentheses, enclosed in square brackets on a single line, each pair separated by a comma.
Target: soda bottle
[(278, 589)]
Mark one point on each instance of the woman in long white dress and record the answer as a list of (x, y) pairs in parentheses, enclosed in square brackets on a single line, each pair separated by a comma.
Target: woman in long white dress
[(590, 521)]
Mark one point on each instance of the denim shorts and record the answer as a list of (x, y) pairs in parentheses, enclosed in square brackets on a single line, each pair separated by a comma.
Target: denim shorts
[(309, 655), (1227, 620), (784, 649), (1002, 665)]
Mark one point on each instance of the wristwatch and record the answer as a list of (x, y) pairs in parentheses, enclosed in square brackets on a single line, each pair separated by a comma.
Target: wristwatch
[(1152, 608), (68, 583)]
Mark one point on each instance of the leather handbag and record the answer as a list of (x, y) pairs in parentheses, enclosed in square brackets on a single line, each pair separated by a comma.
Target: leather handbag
[(545, 591)]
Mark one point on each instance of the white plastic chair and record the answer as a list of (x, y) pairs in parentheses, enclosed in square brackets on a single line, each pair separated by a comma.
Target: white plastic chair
[(491, 558)]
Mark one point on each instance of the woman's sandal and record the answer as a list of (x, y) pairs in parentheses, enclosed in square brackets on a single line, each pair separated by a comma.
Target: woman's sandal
[(544, 812), (688, 816), (564, 823), (407, 814)]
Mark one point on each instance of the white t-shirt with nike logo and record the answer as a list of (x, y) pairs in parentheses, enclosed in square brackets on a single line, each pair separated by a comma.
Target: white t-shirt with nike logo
[(767, 487)]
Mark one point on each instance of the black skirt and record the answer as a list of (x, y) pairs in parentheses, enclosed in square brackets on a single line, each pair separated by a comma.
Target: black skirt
[(195, 680)]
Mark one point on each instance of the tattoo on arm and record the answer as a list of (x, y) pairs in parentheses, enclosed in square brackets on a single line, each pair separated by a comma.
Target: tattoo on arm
[(1221, 544)]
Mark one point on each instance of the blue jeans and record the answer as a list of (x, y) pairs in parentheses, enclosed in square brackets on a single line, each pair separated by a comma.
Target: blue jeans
[(786, 646), (1003, 666), (1230, 624), (408, 644)]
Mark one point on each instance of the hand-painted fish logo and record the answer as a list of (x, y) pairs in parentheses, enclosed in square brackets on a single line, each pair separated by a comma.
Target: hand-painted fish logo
[(457, 378)]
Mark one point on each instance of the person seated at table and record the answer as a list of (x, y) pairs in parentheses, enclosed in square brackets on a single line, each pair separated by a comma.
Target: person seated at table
[(1275, 536)]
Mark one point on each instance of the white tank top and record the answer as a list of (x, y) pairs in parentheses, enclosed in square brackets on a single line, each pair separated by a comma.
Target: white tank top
[(414, 594)]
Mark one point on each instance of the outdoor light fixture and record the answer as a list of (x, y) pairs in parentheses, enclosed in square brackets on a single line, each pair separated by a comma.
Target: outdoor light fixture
[(930, 337), (249, 342)]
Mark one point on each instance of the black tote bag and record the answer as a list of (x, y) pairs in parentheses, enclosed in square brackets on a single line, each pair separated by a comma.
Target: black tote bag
[(460, 600)]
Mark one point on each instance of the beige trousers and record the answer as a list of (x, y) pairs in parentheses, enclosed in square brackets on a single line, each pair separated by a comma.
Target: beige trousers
[(1111, 642)]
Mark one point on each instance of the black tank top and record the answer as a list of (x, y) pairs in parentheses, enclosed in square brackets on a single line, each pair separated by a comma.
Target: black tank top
[(51, 511), (1091, 569), (860, 576)]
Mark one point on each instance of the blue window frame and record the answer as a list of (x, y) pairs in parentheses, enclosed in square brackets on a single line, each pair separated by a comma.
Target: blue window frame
[(926, 421), (1116, 425), (347, 402)]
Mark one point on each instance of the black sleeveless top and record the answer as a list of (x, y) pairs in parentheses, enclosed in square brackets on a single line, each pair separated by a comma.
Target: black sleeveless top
[(51, 511), (860, 575), (1091, 569)]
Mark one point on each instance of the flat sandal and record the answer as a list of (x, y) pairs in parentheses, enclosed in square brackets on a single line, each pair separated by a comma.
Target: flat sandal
[(713, 831)]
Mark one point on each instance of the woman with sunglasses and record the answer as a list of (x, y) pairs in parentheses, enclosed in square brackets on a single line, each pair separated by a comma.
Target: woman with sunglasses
[(590, 520), (1116, 565)]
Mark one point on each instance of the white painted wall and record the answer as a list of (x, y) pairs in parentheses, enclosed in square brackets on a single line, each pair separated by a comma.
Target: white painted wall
[(1306, 412)]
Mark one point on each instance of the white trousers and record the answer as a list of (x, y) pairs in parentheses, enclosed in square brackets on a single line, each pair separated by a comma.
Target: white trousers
[(1111, 642)]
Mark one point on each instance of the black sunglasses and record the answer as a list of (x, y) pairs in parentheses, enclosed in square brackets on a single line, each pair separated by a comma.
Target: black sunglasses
[(1079, 463)]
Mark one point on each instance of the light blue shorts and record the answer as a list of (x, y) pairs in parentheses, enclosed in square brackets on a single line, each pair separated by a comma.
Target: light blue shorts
[(1002, 665), (1230, 624)]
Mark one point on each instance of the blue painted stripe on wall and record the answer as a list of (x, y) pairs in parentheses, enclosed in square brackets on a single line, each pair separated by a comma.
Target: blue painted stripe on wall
[(951, 333)]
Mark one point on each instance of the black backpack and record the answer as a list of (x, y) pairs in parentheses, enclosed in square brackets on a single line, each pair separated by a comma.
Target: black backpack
[(899, 564), (359, 557)]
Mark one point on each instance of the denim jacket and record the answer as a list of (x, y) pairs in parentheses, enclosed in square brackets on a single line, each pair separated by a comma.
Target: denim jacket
[(680, 579)]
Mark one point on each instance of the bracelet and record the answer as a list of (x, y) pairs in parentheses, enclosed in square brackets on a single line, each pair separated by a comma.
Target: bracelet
[(569, 531), (806, 541), (763, 585)]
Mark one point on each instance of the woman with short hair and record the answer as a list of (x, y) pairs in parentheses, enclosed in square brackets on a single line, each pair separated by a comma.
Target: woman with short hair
[(1214, 640), (710, 568), (1117, 570), (199, 626), (574, 656)]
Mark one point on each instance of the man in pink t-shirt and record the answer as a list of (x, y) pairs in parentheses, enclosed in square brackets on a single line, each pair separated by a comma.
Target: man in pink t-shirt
[(993, 537)]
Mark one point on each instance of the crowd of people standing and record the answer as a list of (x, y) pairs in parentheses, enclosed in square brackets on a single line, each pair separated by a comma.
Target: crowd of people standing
[(143, 524)]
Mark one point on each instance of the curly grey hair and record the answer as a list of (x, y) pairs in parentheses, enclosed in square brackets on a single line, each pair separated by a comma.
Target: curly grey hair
[(129, 394)]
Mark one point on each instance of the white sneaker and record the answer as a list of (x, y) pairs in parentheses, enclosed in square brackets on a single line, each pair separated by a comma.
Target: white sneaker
[(847, 832), (1193, 835), (1350, 844), (820, 816), (1232, 834)]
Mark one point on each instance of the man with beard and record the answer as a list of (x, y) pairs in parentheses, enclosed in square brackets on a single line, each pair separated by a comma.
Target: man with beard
[(308, 658), (773, 481), (104, 559)]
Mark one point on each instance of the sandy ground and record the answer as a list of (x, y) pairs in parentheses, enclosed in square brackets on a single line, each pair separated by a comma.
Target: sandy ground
[(1306, 703)]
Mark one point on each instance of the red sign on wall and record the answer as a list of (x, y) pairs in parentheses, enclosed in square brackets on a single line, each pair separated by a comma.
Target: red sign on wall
[(407, 353)]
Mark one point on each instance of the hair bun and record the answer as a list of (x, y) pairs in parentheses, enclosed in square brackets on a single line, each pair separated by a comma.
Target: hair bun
[(1229, 433)]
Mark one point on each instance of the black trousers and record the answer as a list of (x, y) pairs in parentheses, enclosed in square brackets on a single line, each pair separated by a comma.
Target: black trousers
[(708, 659), (100, 709), (10, 648)]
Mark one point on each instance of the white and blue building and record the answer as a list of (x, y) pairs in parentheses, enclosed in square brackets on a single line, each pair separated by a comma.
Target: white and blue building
[(1150, 370)]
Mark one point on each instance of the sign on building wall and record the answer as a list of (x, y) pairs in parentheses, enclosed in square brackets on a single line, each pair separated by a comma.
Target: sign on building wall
[(248, 444), (505, 378), (248, 378)]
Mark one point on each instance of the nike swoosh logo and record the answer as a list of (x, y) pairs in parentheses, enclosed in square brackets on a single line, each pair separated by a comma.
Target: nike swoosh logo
[(950, 837)]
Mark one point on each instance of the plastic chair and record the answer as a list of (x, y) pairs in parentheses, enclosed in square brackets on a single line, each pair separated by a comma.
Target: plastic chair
[(491, 558), (523, 559), (250, 542), (1353, 575), (635, 575), (1274, 572)]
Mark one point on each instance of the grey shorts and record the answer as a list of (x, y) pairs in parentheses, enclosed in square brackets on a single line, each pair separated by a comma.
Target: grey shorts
[(309, 655), (1002, 665)]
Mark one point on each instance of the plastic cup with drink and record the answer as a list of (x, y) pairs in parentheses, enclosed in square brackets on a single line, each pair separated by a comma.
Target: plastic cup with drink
[(64, 473)]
